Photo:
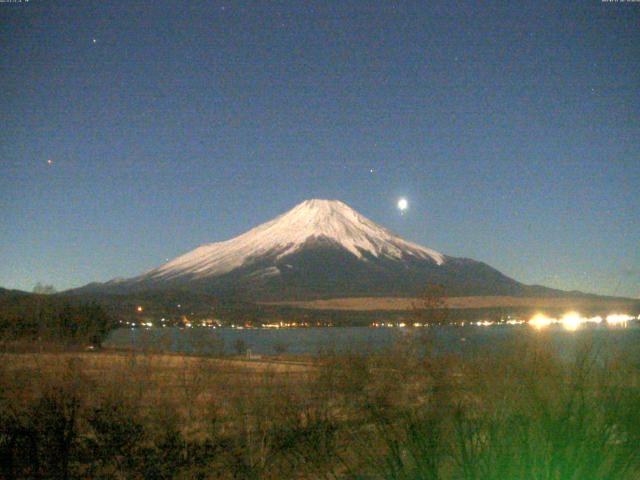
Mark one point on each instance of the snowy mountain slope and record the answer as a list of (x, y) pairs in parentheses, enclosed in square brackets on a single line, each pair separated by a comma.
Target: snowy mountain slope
[(288, 233), (318, 249)]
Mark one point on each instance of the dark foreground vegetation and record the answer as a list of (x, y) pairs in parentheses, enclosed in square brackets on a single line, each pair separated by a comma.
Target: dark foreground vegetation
[(518, 413), (38, 318)]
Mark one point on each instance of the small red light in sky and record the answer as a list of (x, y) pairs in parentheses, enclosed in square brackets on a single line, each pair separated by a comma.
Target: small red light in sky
[(50, 162)]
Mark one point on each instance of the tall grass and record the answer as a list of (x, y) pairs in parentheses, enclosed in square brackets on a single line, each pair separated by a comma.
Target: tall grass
[(521, 412)]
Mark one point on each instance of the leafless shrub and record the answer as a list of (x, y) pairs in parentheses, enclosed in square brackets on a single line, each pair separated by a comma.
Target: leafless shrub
[(430, 306)]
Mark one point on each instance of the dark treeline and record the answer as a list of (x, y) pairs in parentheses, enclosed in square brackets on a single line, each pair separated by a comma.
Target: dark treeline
[(25, 316)]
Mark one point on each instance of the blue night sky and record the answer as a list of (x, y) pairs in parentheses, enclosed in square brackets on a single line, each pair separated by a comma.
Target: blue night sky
[(512, 128)]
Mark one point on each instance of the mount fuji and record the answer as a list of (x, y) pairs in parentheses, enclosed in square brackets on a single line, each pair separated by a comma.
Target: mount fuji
[(319, 249)]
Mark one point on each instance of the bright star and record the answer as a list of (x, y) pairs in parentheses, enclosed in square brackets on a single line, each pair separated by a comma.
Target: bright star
[(403, 204)]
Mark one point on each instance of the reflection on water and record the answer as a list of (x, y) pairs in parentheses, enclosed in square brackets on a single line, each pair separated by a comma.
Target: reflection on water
[(563, 334)]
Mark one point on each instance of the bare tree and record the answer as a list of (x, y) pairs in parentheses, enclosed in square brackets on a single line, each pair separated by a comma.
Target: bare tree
[(430, 307)]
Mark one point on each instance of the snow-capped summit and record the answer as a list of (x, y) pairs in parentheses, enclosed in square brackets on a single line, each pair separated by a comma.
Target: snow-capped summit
[(319, 248), (328, 220)]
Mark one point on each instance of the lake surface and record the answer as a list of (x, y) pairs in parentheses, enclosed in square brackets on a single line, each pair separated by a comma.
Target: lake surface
[(363, 339)]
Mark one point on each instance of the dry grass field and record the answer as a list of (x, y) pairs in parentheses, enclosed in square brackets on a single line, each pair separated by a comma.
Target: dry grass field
[(522, 412), (99, 362), (398, 304)]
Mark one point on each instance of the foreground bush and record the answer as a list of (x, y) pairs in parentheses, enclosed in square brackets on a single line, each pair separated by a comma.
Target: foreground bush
[(521, 415)]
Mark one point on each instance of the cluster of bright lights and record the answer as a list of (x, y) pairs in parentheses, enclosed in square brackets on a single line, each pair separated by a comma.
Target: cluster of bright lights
[(295, 325), (572, 320), (541, 321), (515, 322), (617, 319), (485, 323)]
